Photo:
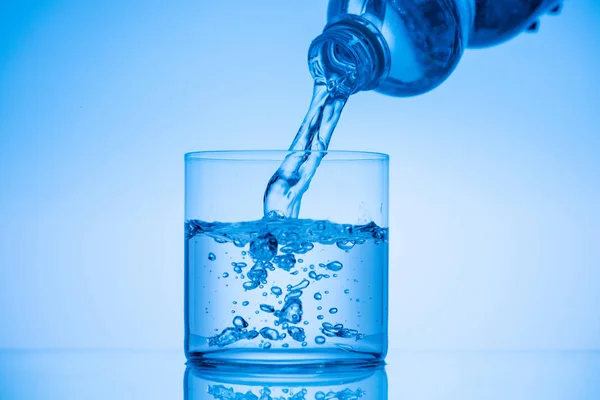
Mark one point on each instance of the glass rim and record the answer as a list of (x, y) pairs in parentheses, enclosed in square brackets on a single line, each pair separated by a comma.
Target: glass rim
[(279, 155)]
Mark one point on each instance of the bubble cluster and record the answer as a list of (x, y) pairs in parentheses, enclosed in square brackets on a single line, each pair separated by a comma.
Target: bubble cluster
[(297, 333), (317, 277), (272, 334), (263, 247), (273, 246), (332, 266), (338, 330), (231, 335), (285, 261), (220, 392), (345, 394)]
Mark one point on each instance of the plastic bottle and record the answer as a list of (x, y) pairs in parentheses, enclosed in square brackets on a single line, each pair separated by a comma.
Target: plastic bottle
[(408, 47)]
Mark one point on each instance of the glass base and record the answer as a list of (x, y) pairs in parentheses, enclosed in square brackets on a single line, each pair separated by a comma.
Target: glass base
[(289, 358)]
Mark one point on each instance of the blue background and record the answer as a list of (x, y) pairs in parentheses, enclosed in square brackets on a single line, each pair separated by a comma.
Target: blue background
[(495, 195)]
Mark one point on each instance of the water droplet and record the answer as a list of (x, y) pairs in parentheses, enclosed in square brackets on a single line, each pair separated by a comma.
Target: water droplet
[(225, 274), (319, 308), (327, 292), (265, 293), (285, 345), (245, 303), (320, 340), (211, 256), (333, 310), (318, 296), (347, 291), (267, 345), (320, 317)]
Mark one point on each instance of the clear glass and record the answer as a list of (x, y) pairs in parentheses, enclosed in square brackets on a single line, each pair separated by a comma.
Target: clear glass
[(298, 291), (275, 384)]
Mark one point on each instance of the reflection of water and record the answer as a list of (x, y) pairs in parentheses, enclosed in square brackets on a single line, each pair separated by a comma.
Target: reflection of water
[(277, 383)]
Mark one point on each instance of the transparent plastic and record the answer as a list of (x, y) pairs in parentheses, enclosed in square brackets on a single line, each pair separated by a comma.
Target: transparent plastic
[(409, 47)]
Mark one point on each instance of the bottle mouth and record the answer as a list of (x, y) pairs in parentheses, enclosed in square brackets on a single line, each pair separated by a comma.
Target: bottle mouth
[(349, 56)]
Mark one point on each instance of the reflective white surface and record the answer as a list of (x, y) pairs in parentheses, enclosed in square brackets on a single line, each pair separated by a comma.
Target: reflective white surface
[(410, 375)]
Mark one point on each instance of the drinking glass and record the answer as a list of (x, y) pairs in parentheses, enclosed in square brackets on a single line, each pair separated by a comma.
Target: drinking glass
[(311, 290)]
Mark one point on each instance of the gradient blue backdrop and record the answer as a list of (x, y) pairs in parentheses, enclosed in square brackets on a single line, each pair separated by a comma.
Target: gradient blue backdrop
[(495, 197)]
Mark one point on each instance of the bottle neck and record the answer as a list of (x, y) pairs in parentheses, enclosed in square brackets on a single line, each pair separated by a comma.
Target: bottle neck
[(349, 56)]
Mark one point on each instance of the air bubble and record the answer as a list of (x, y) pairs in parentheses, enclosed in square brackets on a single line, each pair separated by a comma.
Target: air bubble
[(240, 322), (332, 266), (276, 290), (267, 308)]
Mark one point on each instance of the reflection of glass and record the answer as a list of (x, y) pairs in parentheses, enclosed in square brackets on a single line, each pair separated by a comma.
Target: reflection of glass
[(334, 383), (311, 290)]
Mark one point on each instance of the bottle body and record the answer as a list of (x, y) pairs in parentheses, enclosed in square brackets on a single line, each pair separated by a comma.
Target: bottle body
[(497, 21), (418, 42)]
